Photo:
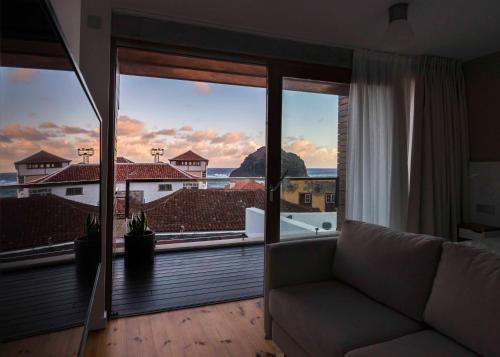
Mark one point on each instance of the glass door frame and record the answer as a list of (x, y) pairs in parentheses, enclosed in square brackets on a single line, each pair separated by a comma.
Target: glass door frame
[(276, 73)]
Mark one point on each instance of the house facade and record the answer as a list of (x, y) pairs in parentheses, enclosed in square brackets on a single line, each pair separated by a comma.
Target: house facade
[(38, 165), (191, 162), (80, 182)]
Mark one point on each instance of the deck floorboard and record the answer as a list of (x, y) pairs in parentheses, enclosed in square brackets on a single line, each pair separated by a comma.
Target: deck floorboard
[(41, 300), (190, 278)]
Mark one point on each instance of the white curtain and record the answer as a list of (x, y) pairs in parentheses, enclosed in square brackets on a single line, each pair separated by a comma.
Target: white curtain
[(407, 159), (380, 102), (439, 169)]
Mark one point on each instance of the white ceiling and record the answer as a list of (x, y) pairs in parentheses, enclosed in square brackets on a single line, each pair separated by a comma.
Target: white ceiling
[(462, 29)]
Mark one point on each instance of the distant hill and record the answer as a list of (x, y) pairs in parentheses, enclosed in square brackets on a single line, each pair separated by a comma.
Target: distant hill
[(255, 165)]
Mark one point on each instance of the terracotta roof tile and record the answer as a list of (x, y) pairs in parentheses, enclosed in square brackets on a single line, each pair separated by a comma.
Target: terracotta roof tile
[(246, 185), (123, 160), (41, 157), (189, 156), (90, 172), (208, 210), (34, 221), (152, 171)]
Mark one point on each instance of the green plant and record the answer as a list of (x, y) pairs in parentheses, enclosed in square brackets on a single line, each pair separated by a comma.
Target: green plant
[(92, 228), (138, 225)]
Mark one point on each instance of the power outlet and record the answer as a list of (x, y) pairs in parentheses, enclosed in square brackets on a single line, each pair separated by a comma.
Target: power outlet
[(485, 209)]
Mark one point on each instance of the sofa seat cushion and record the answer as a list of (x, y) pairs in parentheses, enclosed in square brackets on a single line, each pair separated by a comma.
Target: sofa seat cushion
[(330, 318), (395, 268), (421, 344), (465, 299)]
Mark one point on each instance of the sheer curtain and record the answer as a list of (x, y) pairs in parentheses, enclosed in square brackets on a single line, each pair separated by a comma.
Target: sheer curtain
[(380, 101), (438, 198), (407, 159)]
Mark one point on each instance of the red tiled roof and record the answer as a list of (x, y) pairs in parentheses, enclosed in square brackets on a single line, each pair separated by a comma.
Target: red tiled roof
[(74, 173), (189, 156), (34, 221), (123, 160), (208, 210), (41, 157), (246, 185), (90, 172), (152, 171), (202, 210)]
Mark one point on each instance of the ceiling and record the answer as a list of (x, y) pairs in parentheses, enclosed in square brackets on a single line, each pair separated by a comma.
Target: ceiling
[(462, 29)]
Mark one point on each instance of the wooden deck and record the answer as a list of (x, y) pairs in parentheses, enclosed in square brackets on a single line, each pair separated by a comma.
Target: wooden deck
[(188, 278), (43, 300)]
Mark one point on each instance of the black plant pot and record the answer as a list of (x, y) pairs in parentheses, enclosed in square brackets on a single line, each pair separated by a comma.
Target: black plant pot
[(140, 250), (87, 254)]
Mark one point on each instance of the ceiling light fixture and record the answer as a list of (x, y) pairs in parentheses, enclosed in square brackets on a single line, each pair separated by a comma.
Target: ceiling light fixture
[(399, 33)]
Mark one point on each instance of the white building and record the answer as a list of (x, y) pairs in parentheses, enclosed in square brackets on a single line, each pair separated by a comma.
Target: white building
[(191, 162), (80, 182), (38, 165)]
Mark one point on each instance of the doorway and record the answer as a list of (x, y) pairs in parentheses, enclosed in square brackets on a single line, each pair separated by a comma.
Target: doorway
[(190, 154)]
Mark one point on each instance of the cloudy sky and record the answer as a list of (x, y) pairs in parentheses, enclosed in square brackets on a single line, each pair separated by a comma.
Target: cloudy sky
[(223, 123)]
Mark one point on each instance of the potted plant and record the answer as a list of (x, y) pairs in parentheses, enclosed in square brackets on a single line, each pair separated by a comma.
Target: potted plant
[(88, 248), (139, 241)]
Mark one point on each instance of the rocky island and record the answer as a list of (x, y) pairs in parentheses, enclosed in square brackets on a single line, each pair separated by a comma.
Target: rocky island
[(255, 165)]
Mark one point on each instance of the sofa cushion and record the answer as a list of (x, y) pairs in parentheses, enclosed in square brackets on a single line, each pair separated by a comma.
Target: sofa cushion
[(392, 267), (330, 318), (465, 299), (421, 344)]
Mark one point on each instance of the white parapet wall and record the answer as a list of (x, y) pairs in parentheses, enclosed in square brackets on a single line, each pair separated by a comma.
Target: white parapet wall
[(299, 225)]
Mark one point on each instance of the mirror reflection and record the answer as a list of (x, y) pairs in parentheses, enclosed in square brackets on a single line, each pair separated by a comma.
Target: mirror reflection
[(49, 177)]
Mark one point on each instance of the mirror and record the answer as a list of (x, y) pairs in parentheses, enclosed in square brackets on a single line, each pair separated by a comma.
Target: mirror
[(49, 185)]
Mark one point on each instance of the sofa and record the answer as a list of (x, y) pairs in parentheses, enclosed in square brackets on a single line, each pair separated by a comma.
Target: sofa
[(378, 292)]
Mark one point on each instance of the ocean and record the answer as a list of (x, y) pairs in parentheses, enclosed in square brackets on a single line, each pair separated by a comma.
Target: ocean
[(225, 172), (7, 178)]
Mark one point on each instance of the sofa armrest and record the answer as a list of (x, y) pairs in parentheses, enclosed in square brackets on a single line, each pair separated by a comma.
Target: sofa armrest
[(299, 262)]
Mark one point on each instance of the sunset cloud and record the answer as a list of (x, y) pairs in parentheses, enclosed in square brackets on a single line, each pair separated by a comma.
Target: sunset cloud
[(166, 132), (24, 75), (19, 141), (17, 131), (230, 137), (202, 135), (313, 155), (127, 125), (203, 88), (48, 125), (69, 130), (186, 128)]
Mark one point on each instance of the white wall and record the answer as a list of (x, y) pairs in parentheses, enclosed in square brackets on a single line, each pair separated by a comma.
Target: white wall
[(289, 228), (90, 194), (315, 219), (150, 189), (68, 14), (22, 170)]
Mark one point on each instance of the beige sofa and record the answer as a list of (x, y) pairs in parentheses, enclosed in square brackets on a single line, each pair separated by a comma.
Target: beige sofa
[(378, 292)]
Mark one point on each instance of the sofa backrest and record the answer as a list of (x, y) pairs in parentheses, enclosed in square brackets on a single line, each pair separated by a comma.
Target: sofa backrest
[(392, 267), (465, 300)]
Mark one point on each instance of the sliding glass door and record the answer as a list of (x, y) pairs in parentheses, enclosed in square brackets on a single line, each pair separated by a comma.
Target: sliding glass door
[(303, 182)]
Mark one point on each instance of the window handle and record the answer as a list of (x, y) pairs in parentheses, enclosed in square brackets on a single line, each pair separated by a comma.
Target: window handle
[(273, 188)]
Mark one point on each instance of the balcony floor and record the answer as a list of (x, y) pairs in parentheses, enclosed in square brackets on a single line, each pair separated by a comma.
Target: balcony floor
[(44, 299), (188, 278), (41, 300)]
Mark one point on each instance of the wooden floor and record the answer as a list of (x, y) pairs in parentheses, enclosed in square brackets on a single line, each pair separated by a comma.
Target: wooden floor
[(187, 279), (62, 343), (230, 329), (42, 300)]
